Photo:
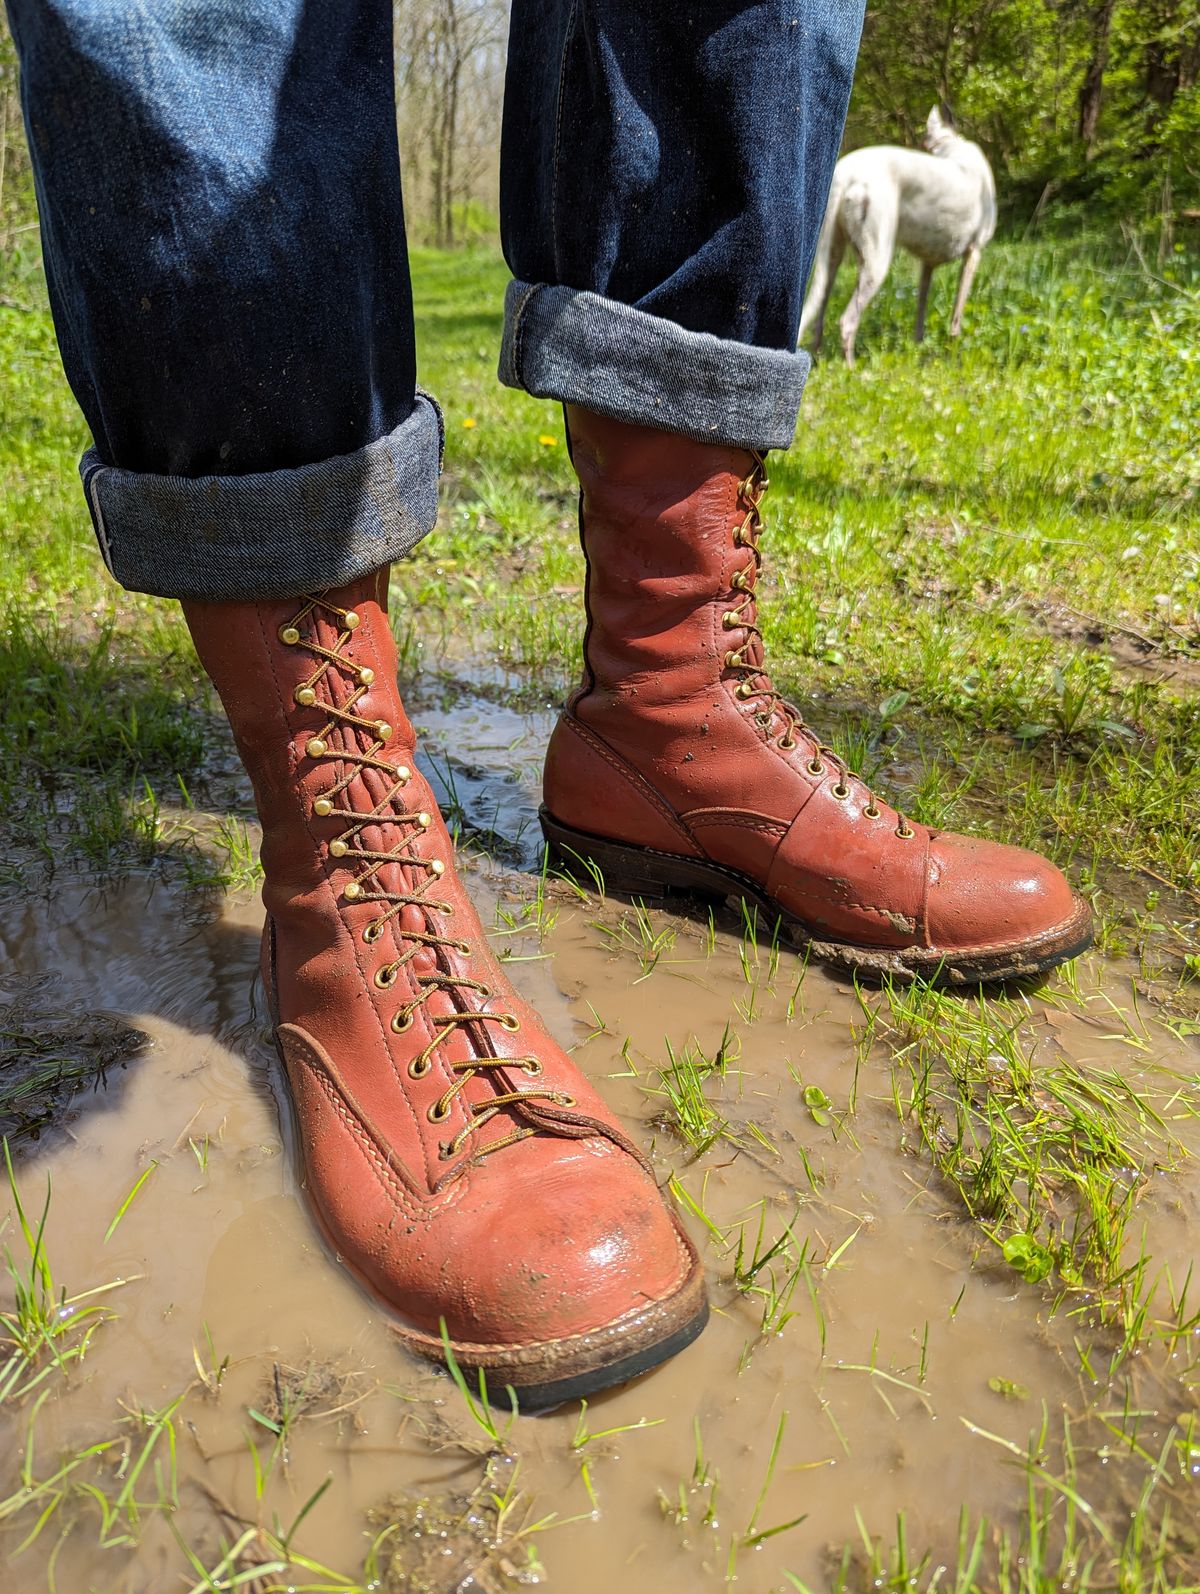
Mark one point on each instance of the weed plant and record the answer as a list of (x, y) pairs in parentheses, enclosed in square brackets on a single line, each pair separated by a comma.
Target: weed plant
[(1050, 1159)]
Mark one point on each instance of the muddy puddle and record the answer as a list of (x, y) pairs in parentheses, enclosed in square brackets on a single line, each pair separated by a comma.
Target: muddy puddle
[(885, 1362)]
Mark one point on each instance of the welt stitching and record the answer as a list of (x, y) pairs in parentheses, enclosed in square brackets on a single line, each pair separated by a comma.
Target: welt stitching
[(644, 789), (403, 1197)]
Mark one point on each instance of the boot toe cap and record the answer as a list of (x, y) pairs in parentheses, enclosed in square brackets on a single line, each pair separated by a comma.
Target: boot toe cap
[(566, 1249), (985, 895)]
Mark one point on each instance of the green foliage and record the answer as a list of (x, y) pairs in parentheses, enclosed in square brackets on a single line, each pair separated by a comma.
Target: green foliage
[(18, 212), (1015, 74)]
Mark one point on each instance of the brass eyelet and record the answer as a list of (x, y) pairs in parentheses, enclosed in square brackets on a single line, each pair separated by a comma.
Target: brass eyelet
[(435, 866), (439, 1112), (841, 791), (338, 848), (787, 744), (745, 690), (403, 773), (815, 766), (372, 932), (305, 696), (508, 1021), (385, 978), (417, 1069), (383, 730), (738, 581), (351, 620), (532, 1067), (289, 635), (870, 811), (566, 1101), (352, 891), (322, 807), (316, 747), (904, 833), (730, 619), (401, 1022), (366, 675)]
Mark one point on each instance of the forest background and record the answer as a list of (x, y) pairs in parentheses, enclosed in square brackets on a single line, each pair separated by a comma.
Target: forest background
[(1081, 105)]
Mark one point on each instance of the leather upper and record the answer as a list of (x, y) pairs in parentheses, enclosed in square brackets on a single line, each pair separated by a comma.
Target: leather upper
[(676, 739), (552, 1235)]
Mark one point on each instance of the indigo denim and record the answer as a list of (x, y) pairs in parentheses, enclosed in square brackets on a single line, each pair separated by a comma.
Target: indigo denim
[(223, 229), (665, 180)]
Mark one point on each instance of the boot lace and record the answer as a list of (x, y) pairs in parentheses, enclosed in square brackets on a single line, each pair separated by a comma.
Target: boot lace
[(366, 883), (746, 661)]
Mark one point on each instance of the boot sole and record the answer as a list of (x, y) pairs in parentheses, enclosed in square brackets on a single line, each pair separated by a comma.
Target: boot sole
[(643, 871), (543, 1373), (547, 1373)]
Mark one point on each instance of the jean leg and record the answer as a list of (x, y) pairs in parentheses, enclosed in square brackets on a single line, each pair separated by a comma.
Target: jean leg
[(664, 178), (219, 191)]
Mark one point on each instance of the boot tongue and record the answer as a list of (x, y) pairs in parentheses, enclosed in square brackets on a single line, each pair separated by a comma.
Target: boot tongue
[(752, 650), (754, 654)]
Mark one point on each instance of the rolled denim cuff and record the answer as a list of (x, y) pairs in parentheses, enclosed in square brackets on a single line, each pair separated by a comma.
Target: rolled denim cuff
[(567, 344), (274, 534)]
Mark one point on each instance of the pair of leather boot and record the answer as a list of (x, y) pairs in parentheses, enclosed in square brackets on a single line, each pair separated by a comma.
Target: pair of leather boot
[(457, 1161)]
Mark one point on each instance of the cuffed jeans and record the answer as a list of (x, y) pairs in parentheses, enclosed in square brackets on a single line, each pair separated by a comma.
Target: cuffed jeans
[(223, 229)]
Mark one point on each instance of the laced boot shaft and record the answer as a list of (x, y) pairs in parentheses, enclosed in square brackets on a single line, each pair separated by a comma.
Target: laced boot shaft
[(773, 713), (457, 1160), (675, 677), (679, 764), (386, 855), (347, 816)]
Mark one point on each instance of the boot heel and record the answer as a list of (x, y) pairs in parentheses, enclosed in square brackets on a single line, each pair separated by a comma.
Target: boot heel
[(603, 865), (608, 874), (630, 871)]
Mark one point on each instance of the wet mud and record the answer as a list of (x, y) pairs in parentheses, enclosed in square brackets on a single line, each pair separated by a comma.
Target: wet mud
[(884, 1361)]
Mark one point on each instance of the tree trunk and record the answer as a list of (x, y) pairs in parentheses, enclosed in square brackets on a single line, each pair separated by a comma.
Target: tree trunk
[(1091, 90), (450, 118)]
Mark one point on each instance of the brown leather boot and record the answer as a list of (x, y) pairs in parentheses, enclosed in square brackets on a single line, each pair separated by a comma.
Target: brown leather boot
[(459, 1165), (677, 764)]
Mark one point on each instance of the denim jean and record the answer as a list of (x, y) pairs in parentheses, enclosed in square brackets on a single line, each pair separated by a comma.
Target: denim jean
[(223, 230)]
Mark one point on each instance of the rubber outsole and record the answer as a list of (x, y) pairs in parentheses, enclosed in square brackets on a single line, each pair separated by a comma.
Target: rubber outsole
[(643, 871), (542, 1397)]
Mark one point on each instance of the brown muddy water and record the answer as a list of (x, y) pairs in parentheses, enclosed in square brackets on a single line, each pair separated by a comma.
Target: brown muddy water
[(904, 1373)]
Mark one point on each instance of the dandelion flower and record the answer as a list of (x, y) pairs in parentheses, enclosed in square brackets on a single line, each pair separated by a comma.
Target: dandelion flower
[(547, 441), (469, 421)]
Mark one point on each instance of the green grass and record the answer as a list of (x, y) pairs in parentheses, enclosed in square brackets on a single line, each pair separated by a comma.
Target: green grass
[(1050, 1159), (45, 1330), (983, 584), (984, 560), (983, 577)]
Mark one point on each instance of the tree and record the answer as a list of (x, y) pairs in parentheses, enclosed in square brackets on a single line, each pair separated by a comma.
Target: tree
[(1078, 99), (1091, 90), (449, 80)]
